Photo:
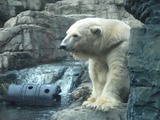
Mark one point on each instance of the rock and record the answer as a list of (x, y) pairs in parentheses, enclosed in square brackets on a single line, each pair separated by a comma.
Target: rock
[(35, 35), (33, 4), (144, 67), (4, 12), (143, 61), (10, 8), (81, 92), (36, 4), (105, 9), (146, 11), (57, 23), (27, 45), (79, 113)]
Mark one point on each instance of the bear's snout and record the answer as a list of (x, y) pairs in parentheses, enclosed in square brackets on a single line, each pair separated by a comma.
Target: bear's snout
[(62, 47), (67, 45)]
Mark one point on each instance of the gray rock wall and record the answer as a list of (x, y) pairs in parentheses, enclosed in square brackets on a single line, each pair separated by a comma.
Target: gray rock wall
[(110, 9), (147, 11), (24, 45), (144, 61), (144, 66), (10, 8)]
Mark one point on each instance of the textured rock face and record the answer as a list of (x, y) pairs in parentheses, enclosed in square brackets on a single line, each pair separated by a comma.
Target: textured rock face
[(144, 66), (4, 12), (147, 11), (54, 23), (32, 38), (85, 114), (25, 45), (113, 9), (33, 4), (144, 62), (36, 4), (100, 8), (10, 8)]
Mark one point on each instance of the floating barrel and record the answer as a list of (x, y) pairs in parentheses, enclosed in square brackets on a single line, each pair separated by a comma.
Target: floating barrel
[(34, 94)]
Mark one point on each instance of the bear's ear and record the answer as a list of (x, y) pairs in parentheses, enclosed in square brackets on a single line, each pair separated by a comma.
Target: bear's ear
[(96, 30)]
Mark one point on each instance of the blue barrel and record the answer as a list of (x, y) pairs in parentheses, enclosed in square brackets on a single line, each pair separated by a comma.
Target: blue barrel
[(34, 94)]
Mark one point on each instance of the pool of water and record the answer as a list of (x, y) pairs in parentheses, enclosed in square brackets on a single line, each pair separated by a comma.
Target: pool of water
[(13, 112)]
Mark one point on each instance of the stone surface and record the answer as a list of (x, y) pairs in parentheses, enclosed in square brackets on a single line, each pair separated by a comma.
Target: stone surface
[(10, 8), (100, 8), (33, 4), (82, 92), (143, 61), (79, 113), (4, 12), (36, 4), (144, 66), (27, 45), (147, 11), (33, 38)]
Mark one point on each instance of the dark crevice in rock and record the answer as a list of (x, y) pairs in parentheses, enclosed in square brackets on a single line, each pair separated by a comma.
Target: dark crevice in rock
[(147, 11)]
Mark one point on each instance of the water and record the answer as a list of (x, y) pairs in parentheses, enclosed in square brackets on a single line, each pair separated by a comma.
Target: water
[(11, 112), (66, 75)]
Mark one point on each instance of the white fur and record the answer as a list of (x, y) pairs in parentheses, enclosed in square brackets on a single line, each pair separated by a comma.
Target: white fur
[(104, 42)]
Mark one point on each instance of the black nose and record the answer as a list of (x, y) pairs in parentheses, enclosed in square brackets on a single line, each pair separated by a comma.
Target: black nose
[(62, 47)]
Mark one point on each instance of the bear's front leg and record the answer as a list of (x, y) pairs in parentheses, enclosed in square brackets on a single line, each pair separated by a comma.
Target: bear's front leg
[(96, 92), (91, 100), (97, 87), (115, 90)]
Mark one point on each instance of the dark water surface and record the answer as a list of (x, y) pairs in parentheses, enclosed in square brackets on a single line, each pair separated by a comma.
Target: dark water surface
[(13, 112)]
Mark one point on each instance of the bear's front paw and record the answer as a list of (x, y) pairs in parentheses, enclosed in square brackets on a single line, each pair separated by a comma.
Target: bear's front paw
[(88, 103), (104, 104)]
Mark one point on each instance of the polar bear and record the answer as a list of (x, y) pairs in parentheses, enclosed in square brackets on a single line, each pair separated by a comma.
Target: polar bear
[(104, 43)]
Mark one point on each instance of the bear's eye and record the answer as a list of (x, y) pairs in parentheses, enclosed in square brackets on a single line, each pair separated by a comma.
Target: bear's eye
[(75, 35)]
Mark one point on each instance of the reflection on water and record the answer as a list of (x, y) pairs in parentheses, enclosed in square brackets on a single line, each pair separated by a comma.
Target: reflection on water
[(8, 112)]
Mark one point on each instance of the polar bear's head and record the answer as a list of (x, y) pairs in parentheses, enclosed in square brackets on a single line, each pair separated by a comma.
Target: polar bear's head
[(82, 37), (92, 37)]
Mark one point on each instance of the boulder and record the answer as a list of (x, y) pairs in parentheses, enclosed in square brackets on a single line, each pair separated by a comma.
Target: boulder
[(146, 11), (144, 67), (79, 113), (11, 8), (27, 45), (4, 12), (33, 38), (33, 4), (110, 9), (36, 4)]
